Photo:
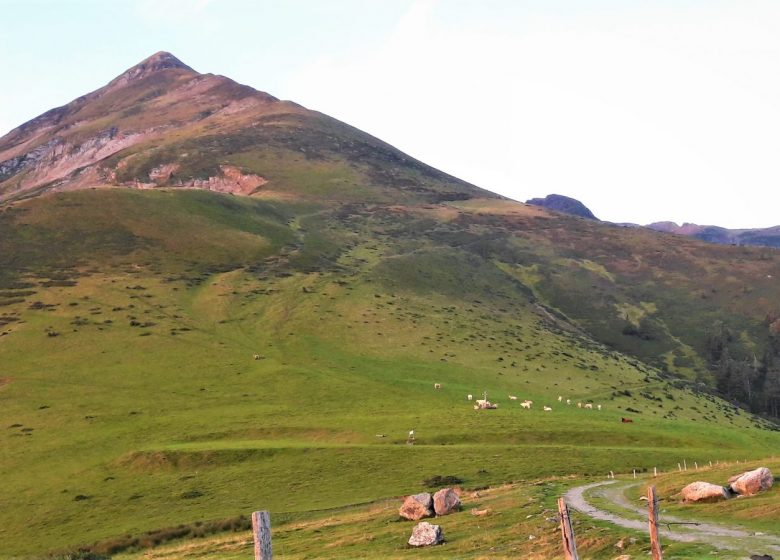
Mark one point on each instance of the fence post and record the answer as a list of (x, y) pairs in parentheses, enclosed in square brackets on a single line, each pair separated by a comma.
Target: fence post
[(652, 516), (567, 533), (261, 531)]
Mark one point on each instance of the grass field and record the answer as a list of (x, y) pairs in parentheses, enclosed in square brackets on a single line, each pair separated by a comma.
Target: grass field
[(131, 400)]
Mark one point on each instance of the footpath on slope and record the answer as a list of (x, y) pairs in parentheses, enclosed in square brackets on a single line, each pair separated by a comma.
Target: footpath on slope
[(691, 530)]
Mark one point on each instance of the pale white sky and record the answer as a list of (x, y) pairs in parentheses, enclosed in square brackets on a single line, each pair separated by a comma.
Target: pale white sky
[(645, 111)]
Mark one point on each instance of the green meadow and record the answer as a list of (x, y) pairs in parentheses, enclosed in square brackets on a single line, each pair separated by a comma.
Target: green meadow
[(171, 358)]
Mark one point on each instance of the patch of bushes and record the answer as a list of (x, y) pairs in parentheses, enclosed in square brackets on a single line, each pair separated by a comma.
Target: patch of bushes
[(103, 550), (438, 481)]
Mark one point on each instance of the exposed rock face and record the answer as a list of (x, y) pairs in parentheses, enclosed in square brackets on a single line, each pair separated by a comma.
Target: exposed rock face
[(426, 534), (231, 180), (564, 204), (704, 492), (752, 482), (445, 501), (417, 506)]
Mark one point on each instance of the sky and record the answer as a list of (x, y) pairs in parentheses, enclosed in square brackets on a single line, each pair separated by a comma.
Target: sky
[(643, 110)]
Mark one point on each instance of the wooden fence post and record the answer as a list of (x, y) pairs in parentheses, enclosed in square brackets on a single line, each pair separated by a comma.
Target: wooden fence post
[(567, 533), (652, 516), (261, 531)]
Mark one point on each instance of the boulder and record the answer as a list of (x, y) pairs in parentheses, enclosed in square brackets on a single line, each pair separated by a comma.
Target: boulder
[(445, 501), (752, 482), (417, 506), (426, 534), (703, 492)]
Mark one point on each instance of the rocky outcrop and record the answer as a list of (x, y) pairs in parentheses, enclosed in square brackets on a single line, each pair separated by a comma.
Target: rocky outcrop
[(417, 506), (703, 492), (564, 204), (231, 180), (752, 482), (445, 501), (426, 534), (57, 159), (163, 173)]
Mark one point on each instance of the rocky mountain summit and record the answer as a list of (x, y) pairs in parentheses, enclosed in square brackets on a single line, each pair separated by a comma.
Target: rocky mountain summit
[(564, 204)]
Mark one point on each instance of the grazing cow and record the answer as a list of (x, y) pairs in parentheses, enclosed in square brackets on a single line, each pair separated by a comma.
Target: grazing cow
[(626, 420), (437, 385), (547, 409), (589, 405), (560, 398), (525, 404), (568, 401), (469, 397), (598, 406), (512, 398)]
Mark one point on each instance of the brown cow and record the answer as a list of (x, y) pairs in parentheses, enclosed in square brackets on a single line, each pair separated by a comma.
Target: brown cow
[(626, 420)]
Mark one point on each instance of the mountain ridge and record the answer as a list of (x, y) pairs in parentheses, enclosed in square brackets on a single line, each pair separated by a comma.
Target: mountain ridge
[(764, 237)]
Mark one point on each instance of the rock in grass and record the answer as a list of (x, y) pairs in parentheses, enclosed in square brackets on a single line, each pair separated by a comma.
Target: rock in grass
[(426, 534), (703, 492), (752, 482), (417, 506), (445, 501)]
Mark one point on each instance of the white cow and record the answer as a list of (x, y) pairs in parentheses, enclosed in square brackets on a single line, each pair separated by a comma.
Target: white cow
[(469, 397), (512, 398), (589, 405), (560, 398), (579, 405), (599, 407), (568, 401), (547, 409), (525, 404), (437, 385)]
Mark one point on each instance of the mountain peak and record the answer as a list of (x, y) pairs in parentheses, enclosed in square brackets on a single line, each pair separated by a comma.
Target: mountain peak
[(161, 60)]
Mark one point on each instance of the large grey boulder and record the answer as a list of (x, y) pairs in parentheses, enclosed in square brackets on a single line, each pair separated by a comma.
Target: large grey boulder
[(703, 492), (426, 534), (752, 482), (445, 501), (417, 506)]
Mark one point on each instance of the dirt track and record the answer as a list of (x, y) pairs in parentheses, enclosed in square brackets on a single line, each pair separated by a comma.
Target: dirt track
[(741, 542)]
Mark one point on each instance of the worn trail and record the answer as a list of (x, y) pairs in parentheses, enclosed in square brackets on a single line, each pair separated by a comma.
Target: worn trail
[(634, 517)]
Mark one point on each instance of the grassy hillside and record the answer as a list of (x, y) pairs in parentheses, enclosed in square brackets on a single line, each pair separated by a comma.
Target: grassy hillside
[(131, 398), (515, 520)]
